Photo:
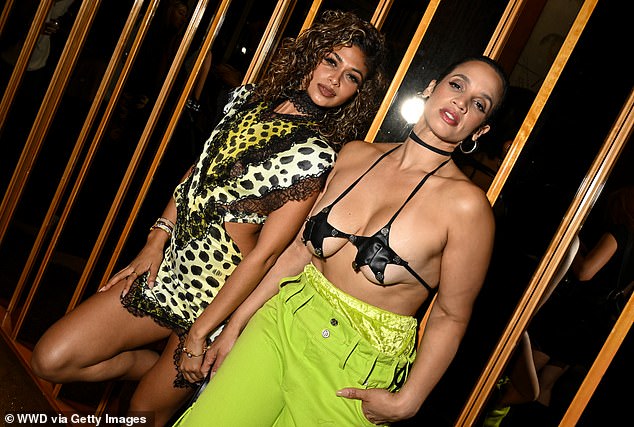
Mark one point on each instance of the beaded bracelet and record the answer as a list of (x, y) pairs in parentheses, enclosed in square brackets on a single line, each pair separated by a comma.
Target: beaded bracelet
[(190, 354), (164, 224)]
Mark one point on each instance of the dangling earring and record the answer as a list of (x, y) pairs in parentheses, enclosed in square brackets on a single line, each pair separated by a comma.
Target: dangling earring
[(475, 147)]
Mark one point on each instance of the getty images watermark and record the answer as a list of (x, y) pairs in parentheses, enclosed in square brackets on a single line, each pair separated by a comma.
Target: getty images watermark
[(47, 419)]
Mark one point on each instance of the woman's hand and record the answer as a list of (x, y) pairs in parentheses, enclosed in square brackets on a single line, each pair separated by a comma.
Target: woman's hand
[(380, 406), (192, 356), (149, 259), (219, 349)]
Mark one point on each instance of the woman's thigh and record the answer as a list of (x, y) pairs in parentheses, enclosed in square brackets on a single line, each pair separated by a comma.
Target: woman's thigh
[(246, 391), (98, 329)]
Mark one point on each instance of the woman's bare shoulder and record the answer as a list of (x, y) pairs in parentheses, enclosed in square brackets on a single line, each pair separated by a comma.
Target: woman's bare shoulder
[(463, 197)]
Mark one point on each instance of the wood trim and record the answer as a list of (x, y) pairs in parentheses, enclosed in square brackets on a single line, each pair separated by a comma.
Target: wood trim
[(276, 22), (45, 115), (312, 14), (136, 156), (23, 59), (207, 43), (571, 223), (504, 29), (74, 158), (4, 17), (380, 13), (540, 100), (402, 70), (621, 132)]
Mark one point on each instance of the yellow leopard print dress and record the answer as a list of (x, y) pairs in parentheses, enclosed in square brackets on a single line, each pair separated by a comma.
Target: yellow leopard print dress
[(253, 162)]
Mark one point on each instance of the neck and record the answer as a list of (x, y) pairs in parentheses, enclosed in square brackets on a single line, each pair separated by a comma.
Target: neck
[(422, 143), (305, 106)]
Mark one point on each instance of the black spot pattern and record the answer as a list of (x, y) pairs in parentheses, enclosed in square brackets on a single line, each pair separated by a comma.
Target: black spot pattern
[(253, 158)]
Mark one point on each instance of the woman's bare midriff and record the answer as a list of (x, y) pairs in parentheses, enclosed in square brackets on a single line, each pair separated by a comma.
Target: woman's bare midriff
[(244, 235)]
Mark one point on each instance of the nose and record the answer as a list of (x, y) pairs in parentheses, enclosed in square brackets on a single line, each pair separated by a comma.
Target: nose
[(460, 102), (334, 80)]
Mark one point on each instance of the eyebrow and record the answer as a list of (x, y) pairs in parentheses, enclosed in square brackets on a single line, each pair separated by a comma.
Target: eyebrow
[(353, 68), (484, 95)]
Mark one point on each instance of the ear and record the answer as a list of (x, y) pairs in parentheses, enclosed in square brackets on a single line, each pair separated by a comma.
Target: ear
[(483, 129), (429, 89)]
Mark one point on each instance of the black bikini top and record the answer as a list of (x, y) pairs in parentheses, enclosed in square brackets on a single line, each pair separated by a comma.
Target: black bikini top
[(373, 251)]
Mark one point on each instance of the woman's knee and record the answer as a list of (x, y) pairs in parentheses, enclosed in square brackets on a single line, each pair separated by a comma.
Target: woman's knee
[(50, 360)]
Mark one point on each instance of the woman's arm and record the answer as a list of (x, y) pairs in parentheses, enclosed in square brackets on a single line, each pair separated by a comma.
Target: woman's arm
[(290, 263), (151, 255), (464, 263), (278, 230), (585, 267)]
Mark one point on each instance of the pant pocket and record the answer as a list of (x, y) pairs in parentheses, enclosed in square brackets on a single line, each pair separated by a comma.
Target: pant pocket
[(358, 404)]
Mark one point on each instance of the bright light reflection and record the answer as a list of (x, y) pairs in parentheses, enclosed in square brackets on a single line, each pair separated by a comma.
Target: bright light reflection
[(412, 109)]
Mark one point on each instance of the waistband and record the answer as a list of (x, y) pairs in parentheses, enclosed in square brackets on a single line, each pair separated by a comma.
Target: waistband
[(390, 333)]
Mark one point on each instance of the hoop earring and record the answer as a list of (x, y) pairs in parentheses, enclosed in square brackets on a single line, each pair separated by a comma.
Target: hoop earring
[(475, 147)]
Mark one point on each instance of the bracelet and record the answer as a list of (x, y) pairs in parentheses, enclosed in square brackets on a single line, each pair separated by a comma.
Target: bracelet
[(163, 227), (164, 224), (166, 221), (190, 354)]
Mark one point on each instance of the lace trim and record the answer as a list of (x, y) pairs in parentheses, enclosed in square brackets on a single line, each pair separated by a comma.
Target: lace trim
[(301, 100), (140, 305), (180, 381), (194, 224), (233, 167), (276, 198)]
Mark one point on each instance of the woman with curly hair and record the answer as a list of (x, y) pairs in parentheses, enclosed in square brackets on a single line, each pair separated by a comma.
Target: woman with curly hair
[(230, 218), (329, 336)]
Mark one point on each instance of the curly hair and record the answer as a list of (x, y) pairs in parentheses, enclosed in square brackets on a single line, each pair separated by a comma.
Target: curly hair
[(297, 58)]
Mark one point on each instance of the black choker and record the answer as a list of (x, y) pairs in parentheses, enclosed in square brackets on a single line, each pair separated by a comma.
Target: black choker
[(419, 141), (305, 105)]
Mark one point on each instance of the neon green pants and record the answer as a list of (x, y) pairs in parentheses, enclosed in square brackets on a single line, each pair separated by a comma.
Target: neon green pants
[(297, 351)]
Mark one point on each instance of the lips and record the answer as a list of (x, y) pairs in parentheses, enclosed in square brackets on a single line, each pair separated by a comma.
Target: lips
[(325, 91), (449, 117)]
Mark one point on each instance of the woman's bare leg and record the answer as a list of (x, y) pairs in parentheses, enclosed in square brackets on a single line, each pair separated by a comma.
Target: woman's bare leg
[(156, 394), (548, 376), (524, 384), (96, 342)]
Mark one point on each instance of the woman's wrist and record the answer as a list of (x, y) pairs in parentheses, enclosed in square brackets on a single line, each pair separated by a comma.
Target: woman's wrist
[(161, 231), (193, 348), (165, 225), (158, 238), (233, 327), (407, 406), (197, 335)]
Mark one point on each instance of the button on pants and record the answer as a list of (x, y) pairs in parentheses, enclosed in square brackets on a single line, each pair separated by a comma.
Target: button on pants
[(288, 364)]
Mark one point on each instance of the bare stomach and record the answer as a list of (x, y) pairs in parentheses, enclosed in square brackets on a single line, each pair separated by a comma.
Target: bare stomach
[(403, 298), (244, 235)]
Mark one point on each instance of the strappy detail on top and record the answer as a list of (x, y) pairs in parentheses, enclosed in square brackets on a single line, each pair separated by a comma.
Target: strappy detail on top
[(373, 251)]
